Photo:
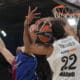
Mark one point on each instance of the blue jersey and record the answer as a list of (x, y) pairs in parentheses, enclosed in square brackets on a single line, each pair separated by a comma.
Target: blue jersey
[(26, 67)]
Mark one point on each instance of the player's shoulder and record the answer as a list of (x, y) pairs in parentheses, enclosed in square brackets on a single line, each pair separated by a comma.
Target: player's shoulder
[(66, 39), (63, 40)]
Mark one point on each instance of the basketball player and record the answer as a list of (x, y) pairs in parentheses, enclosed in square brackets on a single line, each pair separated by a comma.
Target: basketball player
[(26, 62), (64, 60), (39, 50)]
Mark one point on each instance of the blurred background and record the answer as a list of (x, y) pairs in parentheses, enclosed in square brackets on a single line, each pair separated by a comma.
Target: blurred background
[(12, 16)]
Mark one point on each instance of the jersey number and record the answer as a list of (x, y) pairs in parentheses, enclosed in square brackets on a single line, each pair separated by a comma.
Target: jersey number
[(66, 59)]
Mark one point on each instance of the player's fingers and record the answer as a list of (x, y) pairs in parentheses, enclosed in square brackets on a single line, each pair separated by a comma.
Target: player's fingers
[(29, 10), (37, 14), (34, 9)]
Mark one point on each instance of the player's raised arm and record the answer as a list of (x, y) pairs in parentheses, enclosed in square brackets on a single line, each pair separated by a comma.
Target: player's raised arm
[(6, 53), (31, 16), (70, 31)]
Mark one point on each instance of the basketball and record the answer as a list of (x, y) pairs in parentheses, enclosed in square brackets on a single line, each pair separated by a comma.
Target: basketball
[(44, 33), (45, 29)]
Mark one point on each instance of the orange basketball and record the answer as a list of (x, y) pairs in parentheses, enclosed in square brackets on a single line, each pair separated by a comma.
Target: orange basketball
[(45, 29)]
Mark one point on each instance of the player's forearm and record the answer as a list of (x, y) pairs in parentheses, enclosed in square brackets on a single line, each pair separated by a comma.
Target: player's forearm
[(69, 31), (8, 55), (26, 36), (41, 50), (72, 33), (27, 40), (2, 44)]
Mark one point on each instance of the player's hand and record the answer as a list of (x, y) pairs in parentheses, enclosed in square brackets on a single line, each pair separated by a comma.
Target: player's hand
[(70, 31), (32, 14), (20, 49), (44, 20)]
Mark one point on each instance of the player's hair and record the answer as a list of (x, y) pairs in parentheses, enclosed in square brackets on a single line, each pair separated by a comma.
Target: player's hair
[(58, 29)]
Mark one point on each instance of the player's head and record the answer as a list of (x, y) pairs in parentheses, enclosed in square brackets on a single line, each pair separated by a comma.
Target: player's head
[(58, 29)]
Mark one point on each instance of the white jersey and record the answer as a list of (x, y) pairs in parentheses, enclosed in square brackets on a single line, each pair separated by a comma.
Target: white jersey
[(65, 59)]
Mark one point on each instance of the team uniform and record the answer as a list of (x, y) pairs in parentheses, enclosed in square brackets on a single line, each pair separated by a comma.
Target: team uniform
[(65, 59), (25, 66)]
